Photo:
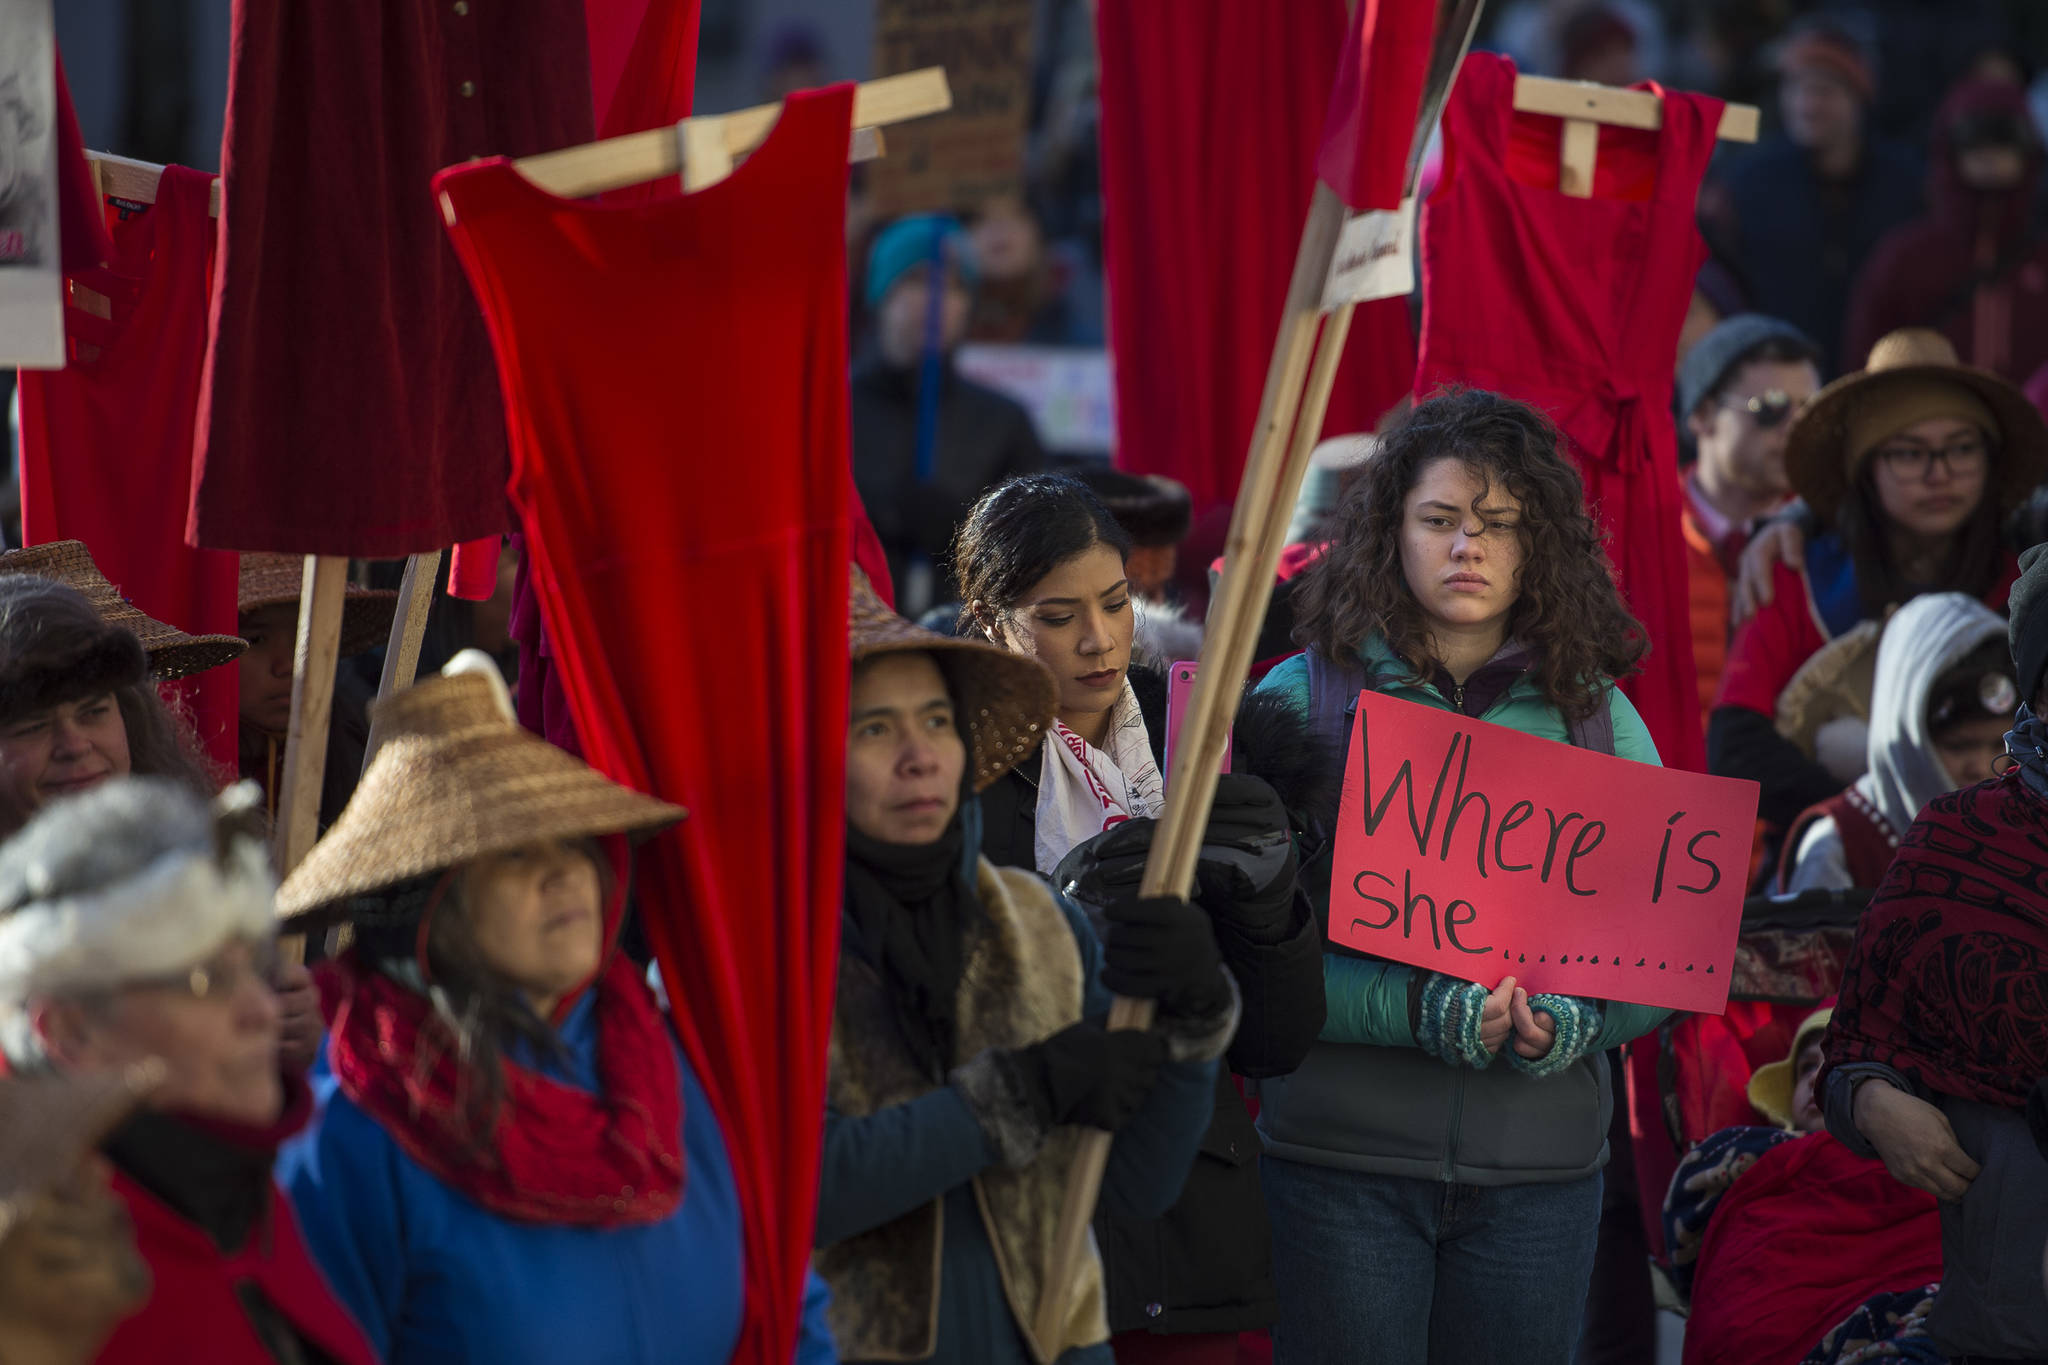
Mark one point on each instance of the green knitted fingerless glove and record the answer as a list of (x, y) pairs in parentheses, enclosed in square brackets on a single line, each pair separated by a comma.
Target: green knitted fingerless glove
[(1447, 1024), (1578, 1026)]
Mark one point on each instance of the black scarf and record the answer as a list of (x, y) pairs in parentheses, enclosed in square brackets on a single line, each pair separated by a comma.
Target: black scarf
[(909, 905), (2027, 742)]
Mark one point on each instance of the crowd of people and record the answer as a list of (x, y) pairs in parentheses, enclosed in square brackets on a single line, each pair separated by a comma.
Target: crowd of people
[(465, 1127)]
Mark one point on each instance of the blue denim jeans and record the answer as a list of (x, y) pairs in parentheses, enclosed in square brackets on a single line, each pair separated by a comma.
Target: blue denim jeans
[(1420, 1272)]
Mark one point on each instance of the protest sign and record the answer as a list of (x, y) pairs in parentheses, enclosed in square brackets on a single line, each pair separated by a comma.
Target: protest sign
[(31, 281), (1481, 852), (975, 152)]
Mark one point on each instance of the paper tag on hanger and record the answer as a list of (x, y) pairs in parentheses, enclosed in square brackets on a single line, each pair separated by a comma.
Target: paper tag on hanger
[(1375, 257)]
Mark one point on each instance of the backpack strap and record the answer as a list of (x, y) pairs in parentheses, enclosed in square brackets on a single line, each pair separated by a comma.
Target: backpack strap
[(1333, 690), (1595, 732)]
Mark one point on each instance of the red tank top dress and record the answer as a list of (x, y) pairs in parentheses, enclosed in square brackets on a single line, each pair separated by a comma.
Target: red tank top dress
[(106, 442), (675, 384), (1574, 306)]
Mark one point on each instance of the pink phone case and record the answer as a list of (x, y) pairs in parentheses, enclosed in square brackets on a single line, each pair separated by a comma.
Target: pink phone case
[(1180, 685)]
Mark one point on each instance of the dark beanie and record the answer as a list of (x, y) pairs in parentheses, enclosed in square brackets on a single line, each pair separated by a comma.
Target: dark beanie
[(2028, 624), (1152, 508)]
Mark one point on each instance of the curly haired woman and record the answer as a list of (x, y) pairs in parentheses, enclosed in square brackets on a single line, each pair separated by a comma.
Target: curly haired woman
[(1433, 1168)]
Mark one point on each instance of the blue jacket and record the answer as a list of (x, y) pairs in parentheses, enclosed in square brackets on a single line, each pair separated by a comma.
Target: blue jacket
[(433, 1276), (881, 1167)]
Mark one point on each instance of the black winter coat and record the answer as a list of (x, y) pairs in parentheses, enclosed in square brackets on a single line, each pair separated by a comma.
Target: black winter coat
[(1207, 1265), (983, 438)]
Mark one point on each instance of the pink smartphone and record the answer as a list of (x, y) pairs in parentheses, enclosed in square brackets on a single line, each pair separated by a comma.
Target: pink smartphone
[(1180, 685)]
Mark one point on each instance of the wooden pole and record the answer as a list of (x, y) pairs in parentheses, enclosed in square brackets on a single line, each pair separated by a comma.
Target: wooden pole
[(1290, 418), (305, 756), (409, 626)]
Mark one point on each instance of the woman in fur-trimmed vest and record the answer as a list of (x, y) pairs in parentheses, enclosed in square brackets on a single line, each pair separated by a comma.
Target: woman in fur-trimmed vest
[(968, 1049)]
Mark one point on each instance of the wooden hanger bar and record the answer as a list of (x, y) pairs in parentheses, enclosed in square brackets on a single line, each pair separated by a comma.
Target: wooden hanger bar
[(123, 177), (636, 158), (1584, 106)]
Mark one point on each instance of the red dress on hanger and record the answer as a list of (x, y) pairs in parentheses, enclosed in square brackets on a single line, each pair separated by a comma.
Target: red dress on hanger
[(106, 442), (675, 384), (348, 405), (1574, 306)]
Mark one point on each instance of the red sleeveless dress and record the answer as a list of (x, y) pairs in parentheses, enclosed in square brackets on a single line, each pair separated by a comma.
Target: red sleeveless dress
[(1574, 306), (675, 386)]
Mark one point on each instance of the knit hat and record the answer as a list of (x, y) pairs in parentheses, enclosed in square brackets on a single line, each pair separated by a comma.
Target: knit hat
[(272, 580), (172, 653), (137, 879), (49, 1123), (1770, 1085), (1913, 374), (455, 779), (1007, 699), (1824, 47), (1720, 352), (1154, 509), (914, 241), (2027, 621)]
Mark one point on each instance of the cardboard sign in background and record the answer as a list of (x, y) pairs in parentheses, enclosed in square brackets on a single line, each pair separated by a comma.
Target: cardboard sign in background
[(1481, 852), (973, 152)]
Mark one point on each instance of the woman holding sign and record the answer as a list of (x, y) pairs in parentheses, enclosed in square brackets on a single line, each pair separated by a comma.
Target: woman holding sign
[(1433, 1168)]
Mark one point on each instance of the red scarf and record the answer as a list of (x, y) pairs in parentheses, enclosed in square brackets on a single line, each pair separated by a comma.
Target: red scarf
[(558, 1154), (1945, 983)]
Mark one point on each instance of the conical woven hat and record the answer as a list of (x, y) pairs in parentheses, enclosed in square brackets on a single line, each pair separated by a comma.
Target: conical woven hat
[(455, 778), (273, 580), (1815, 451), (1006, 699), (172, 653), (47, 1123)]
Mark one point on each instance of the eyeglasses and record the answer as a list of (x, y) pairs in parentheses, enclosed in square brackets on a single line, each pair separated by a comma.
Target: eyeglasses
[(1962, 456), (1768, 409), (220, 976)]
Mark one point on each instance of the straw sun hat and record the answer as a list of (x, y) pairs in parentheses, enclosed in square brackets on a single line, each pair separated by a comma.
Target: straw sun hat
[(1903, 366), (270, 580), (455, 778), (1007, 700), (172, 653)]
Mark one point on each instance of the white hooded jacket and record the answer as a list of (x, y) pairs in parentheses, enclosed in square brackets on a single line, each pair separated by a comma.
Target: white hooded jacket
[(1924, 639)]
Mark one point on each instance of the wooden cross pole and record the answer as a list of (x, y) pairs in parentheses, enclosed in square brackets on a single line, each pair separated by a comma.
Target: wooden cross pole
[(409, 625), (305, 755)]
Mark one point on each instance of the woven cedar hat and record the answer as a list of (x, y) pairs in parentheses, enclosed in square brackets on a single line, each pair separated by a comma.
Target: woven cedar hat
[(1007, 699), (47, 1123), (172, 653), (456, 778), (270, 580), (1816, 455)]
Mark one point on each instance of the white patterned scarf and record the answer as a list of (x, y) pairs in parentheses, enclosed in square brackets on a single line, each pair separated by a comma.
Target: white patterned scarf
[(1083, 790)]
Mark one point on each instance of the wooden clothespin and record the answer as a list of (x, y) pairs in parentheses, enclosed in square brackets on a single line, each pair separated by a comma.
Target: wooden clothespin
[(704, 150), (1584, 106), (122, 177)]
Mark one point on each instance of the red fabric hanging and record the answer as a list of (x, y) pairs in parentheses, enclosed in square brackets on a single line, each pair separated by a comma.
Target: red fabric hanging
[(106, 442), (1212, 117), (348, 405), (1371, 125), (675, 379), (643, 62), (1574, 306)]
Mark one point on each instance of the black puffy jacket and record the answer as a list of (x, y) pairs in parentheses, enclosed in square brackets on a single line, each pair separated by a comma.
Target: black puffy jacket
[(1207, 1265)]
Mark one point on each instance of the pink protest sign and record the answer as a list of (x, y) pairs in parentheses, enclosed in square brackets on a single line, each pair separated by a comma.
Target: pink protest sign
[(1481, 852)]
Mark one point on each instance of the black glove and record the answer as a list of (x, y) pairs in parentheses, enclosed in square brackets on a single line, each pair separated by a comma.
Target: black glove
[(1092, 1076), (1247, 869), (1162, 948), (1246, 873)]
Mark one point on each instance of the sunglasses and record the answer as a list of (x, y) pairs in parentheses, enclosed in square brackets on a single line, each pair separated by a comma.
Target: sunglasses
[(1768, 409)]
